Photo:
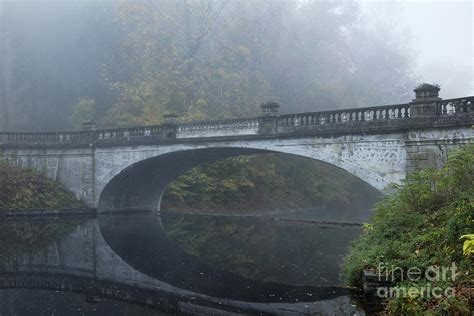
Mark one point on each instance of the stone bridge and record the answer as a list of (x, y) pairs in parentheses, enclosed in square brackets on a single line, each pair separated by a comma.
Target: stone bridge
[(129, 168)]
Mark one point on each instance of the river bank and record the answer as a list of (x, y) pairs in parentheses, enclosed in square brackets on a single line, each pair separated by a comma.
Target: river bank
[(415, 243), (47, 212)]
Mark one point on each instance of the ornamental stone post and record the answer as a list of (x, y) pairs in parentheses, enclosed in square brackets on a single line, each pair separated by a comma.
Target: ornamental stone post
[(268, 121), (89, 125), (425, 105), (170, 125)]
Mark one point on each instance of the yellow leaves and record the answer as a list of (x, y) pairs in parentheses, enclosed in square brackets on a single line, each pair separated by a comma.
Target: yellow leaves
[(201, 102), (468, 246), (153, 115), (367, 227), (195, 115)]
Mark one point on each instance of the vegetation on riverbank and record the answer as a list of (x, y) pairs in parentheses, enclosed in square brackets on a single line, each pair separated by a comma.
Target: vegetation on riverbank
[(22, 188), (420, 226), (264, 182)]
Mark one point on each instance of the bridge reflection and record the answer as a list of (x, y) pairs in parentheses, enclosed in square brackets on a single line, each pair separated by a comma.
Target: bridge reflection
[(134, 261)]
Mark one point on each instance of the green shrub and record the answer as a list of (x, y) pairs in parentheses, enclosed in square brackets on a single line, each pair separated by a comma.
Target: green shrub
[(420, 225), (22, 188)]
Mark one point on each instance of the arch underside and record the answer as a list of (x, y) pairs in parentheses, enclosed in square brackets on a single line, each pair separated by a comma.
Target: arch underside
[(141, 185)]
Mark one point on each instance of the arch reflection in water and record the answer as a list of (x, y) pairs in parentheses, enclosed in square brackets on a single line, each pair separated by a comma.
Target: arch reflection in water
[(78, 259)]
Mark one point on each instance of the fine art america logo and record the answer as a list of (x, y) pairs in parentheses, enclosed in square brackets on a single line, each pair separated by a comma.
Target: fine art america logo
[(431, 275)]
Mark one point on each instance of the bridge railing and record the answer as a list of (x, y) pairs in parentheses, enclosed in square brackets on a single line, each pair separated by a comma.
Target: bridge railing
[(458, 106), (378, 113), (47, 137), (244, 126), (269, 123)]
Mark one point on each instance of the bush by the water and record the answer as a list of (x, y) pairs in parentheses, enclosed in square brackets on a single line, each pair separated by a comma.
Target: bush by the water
[(420, 226), (22, 188)]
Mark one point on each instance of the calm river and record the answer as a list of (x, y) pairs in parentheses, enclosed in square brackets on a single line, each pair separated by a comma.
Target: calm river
[(148, 264)]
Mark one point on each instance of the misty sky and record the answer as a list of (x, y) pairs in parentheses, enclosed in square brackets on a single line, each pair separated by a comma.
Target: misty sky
[(437, 33), (440, 37)]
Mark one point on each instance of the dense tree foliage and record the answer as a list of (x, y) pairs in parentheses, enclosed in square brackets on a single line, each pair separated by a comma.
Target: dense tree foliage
[(26, 189), (214, 59), (265, 182), (420, 226), (200, 58)]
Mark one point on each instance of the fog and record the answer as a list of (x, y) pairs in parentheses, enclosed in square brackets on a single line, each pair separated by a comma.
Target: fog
[(439, 35), (128, 62)]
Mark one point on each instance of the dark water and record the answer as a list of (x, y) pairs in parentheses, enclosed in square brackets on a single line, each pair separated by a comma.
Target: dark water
[(148, 264)]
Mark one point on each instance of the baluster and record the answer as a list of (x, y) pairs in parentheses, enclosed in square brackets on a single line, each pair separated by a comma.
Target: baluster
[(455, 107), (463, 106)]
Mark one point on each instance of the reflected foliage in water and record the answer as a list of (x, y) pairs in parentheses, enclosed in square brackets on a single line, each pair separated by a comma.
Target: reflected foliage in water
[(236, 263), (25, 236), (262, 249)]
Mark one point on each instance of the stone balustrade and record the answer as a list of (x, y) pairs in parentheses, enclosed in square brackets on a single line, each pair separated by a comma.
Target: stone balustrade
[(390, 112), (245, 126), (459, 106), (279, 124)]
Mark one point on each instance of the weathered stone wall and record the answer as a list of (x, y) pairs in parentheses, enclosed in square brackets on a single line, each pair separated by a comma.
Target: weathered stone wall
[(430, 148)]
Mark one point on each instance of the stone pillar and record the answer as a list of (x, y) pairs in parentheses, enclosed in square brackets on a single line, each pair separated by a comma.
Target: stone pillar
[(420, 153), (425, 105), (89, 125), (169, 126), (268, 121)]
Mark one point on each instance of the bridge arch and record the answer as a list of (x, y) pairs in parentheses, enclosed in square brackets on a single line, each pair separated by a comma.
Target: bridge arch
[(138, 180)]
